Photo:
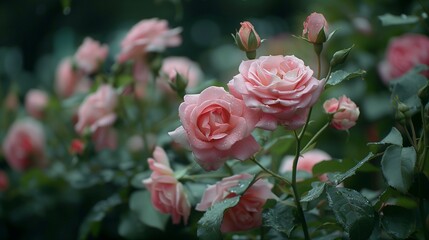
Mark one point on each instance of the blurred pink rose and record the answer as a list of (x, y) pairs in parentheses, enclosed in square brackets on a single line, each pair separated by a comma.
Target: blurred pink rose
[(90, 55), (149, 35), (187, 68), (282, 87), (247, 214), (36, 102), (247, 38), (306, 162), (135, 143), (217, 126), (97, 110), (345, 112), (4, 181), (24, 145), (167, 193), (402, 54), (77, 146), (313, 24), (69, 80), (105, 138)]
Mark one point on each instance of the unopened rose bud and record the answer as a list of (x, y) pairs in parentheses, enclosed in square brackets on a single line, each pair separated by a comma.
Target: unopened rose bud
[(315, 28), (247, 39), (77, 146), (344, 112), (340, 57), (179, 84)]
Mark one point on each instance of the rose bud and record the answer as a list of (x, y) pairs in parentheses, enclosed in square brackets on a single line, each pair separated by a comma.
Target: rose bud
[(315, 28), (344, 112), (247, 39)]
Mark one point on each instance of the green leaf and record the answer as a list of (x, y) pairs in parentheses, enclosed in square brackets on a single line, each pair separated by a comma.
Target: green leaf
[(398, 222), (341, 75), (397, 165), (130, 227), (281, 217), (405, 88), (317, 189), (141, 204), (389, 19), (420, 187), (340, 165), (352, 210), (91, 224), (394, 137), (209, 224), (340, 177)]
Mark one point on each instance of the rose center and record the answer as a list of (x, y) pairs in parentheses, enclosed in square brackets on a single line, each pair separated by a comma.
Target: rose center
[(214, 122)]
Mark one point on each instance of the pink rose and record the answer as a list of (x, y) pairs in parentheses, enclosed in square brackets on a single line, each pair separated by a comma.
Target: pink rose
[(69, 80), (282, 87), (167, 193), (105, 138), (36, 102), (150, 35), (344, 112), (313, 24), (247, 214), (247, 39), (24, 145), (4, 181), (217, 126), (90, 55), (402, 54), (97, 110), (306, 162), (187, 68)]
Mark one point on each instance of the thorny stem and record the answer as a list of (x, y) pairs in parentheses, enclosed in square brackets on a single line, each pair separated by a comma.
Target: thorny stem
[(294, 188), (425, 141), (319, 66), (270, 172), (315, 137)]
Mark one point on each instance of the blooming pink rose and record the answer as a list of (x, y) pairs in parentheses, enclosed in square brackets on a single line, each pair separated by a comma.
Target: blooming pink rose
[(313, 24), (306, 162), (167, 193), (402, 54), (282, 87), (90, 55), (105, 138), (187, 68), (4, 181), (247, 214), (24, 145), (149, 35), (69, 80), (97, 110), (247, 38), (217, 126), (36, 102), (345, 112)]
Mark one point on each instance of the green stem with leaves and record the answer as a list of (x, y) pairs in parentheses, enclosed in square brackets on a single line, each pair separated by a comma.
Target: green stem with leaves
[(315, 137), (253, 159)]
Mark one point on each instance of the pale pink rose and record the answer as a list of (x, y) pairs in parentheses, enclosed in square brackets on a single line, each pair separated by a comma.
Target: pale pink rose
[(402, 54), (36, 102), (141, 71), (247, 214), (306, 162), (24, 145), (282, 87), (313, 24), (167, 194), (68, 80), (247, 38), (187, 68), (345, 112), (4, 181), (149, 35), (105, 138), (216, 126), (90, 55), (97, 110)]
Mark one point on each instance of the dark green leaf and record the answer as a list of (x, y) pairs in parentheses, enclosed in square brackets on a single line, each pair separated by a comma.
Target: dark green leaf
[(341, 75), (281, 217), (340, 165), (389, 19), (394, 137), (398, 166), (317, 189), (91, 224), (209, 224), (420, 187), (352, 210), (397, 221), (141, 204), (340, 177), (130, 227)]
